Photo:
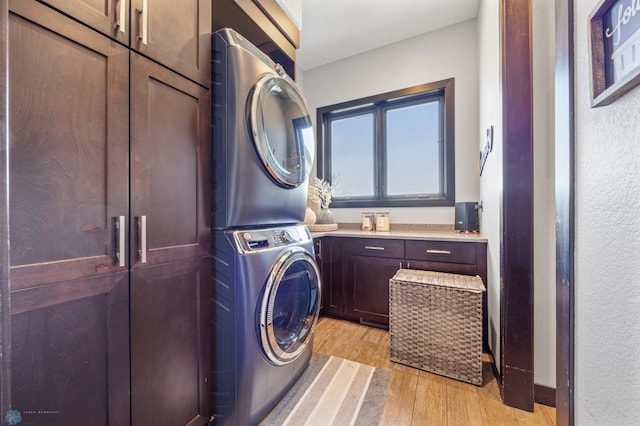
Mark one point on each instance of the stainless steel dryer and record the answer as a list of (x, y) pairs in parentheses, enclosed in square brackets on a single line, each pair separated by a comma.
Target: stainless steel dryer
[(266, 304), (263, 141)]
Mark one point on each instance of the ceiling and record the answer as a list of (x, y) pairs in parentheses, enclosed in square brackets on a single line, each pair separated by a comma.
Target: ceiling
[(336, 29)]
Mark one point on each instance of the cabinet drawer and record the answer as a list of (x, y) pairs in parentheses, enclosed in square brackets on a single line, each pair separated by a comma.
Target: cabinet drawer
[(452, 268), (376, 247), (442, 251)]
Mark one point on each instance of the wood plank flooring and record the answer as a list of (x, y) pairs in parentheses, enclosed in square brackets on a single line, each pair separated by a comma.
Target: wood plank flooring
[(416, 397)]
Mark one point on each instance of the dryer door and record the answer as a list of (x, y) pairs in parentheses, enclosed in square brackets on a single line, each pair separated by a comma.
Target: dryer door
[(281, 130), (290, 306)]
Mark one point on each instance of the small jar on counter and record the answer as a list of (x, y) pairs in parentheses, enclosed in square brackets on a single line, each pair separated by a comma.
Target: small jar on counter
[(382, 221), (368, 221)]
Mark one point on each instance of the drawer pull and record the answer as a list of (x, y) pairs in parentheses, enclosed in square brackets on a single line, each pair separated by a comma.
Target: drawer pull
[(434, 251), (374, 248)]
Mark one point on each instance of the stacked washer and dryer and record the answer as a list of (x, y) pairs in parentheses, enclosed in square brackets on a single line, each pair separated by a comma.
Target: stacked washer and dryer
[(266, 288)]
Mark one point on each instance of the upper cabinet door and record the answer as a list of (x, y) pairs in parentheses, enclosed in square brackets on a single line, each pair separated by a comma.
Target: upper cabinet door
[(170, 166), (68, 180), (110, 17), (177, 34)]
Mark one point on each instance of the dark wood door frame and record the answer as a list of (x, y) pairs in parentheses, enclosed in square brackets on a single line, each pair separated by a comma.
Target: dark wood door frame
[(516, 287), (5, 326), (564, 181)]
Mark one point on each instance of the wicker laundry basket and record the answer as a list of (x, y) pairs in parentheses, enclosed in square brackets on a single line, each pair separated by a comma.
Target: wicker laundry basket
[(435, 323)]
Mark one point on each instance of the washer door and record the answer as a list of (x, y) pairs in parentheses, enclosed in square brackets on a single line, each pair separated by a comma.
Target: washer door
[(290, 306), (281, 130)]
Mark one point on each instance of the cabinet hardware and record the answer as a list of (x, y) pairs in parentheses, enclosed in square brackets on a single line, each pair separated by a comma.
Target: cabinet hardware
[(142, 226), (319, 254), (433, 251), (374, 248), (121, 16), (143, 23), (120, 229)]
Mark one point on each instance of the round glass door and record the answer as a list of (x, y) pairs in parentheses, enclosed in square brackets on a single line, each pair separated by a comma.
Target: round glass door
[(290, 306), (281, 130)]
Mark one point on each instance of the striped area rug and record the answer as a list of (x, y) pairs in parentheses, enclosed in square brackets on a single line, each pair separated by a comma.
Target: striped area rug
[(333, 391)]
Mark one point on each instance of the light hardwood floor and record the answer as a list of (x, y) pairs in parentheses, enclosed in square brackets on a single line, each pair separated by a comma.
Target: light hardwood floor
[(416, 397)]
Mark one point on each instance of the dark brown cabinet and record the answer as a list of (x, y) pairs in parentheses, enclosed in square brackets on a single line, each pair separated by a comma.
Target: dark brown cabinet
[(69, 148), (368, 282), (170, 308), (170, 166), (170, 247), (329, 258), (70, 352), (109, 17), (68, 184), (177, 34), (357, 288), (371, 263), (109, 226)]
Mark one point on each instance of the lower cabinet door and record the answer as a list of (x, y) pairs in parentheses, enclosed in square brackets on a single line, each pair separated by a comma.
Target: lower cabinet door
[(170, 315), (329, 257), (70, 352), (369, 278)]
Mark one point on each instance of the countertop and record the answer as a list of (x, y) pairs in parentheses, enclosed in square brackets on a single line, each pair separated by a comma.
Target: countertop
[(405, 234)]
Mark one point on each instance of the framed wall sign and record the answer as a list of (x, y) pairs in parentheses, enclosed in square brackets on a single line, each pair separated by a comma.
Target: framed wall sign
[(615, 49)]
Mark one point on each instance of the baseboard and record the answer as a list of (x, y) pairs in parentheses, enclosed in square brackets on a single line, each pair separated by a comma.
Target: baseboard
[(494, 367), (541, 394), (544, 395)]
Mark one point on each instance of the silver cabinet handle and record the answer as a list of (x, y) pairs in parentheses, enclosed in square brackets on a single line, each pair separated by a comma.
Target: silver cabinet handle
[(142, 225), (433, 251), (319, 254), (373, 248), (121, 16), (143, 23), (121, 251)]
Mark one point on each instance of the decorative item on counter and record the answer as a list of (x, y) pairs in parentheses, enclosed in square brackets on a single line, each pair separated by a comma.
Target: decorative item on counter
[(309, 217), (322, 192), (368, 221), (313, 201), (382, 221)]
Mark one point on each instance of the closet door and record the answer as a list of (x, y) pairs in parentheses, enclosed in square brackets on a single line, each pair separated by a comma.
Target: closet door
[(68, 186), (177, 34), (170, 255)]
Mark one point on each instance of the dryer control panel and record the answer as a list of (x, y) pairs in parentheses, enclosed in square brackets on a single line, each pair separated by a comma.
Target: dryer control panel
[(255, 240)]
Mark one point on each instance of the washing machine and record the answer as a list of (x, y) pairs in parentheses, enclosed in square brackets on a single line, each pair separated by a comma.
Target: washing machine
[(263, 142), (266, 304)]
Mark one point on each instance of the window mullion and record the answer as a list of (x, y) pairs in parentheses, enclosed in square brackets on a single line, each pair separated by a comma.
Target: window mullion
[(380, 168), (325, 168)]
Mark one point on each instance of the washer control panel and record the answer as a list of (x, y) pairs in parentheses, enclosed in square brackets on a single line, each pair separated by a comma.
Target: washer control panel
[(264, 239)]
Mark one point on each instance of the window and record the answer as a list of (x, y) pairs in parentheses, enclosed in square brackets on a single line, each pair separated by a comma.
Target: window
[(391, 150)]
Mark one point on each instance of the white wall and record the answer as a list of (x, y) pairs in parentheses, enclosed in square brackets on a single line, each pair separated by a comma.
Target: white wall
[(544, 217), (607, 249), (490, 113), (446, 53)]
